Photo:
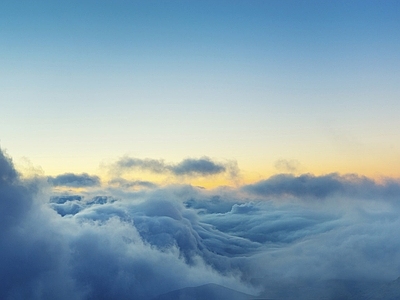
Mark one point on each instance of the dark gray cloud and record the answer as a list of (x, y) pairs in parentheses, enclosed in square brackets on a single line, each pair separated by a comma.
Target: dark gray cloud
[(321, 187), (148, 242), (301, 186), (75, 180), (189, 167), (202, 166)]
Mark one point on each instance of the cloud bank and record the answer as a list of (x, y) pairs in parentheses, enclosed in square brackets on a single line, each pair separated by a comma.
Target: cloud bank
[(320, 187), (283, 236)]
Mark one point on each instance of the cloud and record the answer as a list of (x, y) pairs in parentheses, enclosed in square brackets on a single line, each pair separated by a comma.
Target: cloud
[(188, 167), (301, 186), (65, 198), (321, 187), (203, 166), (290, 166), (123, 183), (31, 253), (152, 165), (104, 243), (75, 180), (99, 248)]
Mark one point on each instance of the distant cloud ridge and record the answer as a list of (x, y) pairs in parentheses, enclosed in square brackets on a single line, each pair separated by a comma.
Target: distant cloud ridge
[(321, 187), (75, 180)]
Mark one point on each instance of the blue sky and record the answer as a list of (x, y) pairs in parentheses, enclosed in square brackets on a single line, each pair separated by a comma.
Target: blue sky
[(250, 81)]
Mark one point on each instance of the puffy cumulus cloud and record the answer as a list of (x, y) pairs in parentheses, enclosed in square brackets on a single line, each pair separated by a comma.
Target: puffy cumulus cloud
[(102, 249), (75, 180), (251, 237), (108, 243), (16, 200), (32, 254), (188, 167)]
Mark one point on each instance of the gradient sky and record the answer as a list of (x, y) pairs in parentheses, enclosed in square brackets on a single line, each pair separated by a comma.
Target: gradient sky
[(315, 84)]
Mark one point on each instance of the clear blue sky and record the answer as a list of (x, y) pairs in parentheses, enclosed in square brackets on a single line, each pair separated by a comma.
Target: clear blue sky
[(316, 82)]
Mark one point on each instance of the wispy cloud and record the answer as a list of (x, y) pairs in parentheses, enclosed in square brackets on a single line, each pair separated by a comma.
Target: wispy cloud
[(289, 166)]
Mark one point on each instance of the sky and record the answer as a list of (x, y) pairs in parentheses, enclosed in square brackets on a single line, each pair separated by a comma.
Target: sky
[(154, 148), (85, 83)]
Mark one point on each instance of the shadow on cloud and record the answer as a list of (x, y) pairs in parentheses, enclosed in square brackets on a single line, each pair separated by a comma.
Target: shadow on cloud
[(112, 242)]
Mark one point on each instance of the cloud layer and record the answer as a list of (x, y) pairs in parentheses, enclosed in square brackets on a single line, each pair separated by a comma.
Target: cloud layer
[(112, 242)]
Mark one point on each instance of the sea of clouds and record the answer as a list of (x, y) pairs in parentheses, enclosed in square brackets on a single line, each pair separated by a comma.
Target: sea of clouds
[(136, 240)]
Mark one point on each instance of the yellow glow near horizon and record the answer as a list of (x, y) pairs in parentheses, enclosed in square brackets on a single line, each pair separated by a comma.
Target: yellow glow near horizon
[(368, 165)]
